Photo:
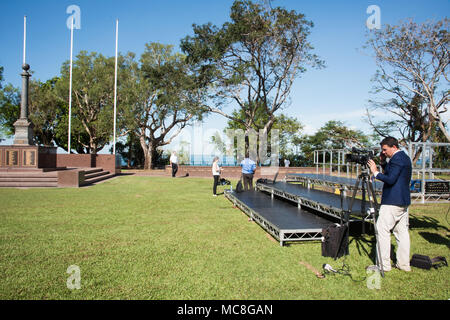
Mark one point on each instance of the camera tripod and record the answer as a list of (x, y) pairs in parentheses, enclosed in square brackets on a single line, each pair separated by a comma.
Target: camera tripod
[(367, 187)]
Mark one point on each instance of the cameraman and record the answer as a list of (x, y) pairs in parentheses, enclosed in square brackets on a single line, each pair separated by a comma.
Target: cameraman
[(396, 198)]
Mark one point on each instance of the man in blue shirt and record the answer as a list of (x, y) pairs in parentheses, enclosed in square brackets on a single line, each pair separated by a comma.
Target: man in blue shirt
[(396, 198), (248, 169)]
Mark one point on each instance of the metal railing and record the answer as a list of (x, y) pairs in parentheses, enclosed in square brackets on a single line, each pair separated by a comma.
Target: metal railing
[(425, 166)]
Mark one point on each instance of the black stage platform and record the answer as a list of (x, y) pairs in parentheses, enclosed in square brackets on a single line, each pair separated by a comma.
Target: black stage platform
[(322, 201), (332, 181), (284, 221)]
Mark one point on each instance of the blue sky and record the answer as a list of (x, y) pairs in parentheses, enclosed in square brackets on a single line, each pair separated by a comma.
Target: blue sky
[(338, 92)]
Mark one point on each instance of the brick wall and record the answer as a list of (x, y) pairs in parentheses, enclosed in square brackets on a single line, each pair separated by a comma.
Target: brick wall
[(105, 161), (227, 173)]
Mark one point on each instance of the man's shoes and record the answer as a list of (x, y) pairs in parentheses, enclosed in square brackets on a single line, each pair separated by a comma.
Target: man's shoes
[(376, 268), (214, 195), (406, 269)]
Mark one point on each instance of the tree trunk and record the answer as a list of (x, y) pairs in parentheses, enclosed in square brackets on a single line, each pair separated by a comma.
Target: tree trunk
[(130, 150), (153, 156), (148, 159), (144, 148), (444, 131), (148, 153)]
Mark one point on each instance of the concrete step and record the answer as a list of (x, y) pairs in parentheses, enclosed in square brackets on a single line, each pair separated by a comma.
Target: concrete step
[(93, 174), (28, 179), (27, 176), (96, 179), (28, 184), (48, 179), (92, 170)]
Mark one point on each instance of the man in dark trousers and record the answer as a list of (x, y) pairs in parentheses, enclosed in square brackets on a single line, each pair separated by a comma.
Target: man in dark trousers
[(396, 198), (248, 169)]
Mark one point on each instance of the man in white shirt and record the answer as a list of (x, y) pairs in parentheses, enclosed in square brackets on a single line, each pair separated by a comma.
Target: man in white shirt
[(174, 163)]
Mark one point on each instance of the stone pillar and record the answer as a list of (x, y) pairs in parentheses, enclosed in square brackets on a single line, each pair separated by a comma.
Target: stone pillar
[(23, 127)]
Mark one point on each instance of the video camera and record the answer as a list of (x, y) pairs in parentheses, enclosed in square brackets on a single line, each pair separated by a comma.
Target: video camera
[(359, 156)]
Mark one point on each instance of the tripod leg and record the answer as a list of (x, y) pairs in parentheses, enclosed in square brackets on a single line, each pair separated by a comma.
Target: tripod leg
[(377, 246), (373, 210), (355, 190), (374, 196)]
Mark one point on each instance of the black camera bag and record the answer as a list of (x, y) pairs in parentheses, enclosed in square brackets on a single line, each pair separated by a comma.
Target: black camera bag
[(335, 241), (425, 262)]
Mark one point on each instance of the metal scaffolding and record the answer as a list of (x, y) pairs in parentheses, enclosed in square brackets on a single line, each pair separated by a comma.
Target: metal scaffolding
[(334, 160), (425, 166)]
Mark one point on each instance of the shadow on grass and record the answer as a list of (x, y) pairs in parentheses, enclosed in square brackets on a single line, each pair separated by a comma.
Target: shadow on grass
[(435, 238), (425, 222), (368, 247), (365, 246)]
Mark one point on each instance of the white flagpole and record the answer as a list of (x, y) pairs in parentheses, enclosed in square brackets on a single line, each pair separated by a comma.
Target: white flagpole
[(115, 86), (70, 84), (24, 37)]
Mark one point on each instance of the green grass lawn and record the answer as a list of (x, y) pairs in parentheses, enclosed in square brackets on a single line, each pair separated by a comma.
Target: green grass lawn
[(162, 238)]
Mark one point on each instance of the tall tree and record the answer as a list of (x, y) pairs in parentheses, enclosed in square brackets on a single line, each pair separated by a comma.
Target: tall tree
[(252, 60), (160, 95), (92, 99), (412, 61)]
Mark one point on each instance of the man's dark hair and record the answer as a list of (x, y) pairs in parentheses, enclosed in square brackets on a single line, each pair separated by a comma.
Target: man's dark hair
[(390, 142)]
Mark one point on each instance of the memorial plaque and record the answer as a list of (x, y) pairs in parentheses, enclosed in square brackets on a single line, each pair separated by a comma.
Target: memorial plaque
[(29, 158), (12, 157)]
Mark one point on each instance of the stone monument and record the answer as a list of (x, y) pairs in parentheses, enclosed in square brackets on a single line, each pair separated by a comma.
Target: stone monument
[(23, 155), (23, 127)]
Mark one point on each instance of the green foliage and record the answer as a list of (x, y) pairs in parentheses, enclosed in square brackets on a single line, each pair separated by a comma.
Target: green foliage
[(333, 135), (47, 112), (9, 108)]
